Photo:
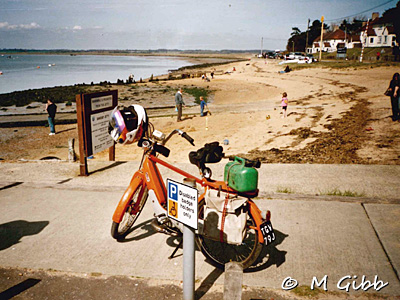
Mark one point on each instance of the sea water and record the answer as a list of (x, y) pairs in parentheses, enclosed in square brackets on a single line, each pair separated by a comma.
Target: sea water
[(22, 72)]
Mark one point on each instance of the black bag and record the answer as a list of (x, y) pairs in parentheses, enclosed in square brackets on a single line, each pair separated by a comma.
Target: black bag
[(210, 153), (389, 92)]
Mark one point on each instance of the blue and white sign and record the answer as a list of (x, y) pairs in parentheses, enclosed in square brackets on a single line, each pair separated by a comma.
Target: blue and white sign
[(182, 203)]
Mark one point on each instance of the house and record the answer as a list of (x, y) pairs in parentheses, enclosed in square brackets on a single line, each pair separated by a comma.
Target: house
[(333, 39), (375, 33), (378, 33)]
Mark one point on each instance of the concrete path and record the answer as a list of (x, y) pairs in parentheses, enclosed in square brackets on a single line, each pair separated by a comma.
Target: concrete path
[(53, 219)]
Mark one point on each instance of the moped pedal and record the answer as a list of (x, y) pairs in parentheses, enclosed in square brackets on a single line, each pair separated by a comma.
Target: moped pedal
[(163, 228)]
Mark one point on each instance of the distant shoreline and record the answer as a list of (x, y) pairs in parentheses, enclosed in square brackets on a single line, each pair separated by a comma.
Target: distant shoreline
[(67, 92), (196, 54)]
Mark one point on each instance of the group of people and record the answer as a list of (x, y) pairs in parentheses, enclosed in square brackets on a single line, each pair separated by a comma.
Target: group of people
[(394, 88), (394, 93), (179, 104)]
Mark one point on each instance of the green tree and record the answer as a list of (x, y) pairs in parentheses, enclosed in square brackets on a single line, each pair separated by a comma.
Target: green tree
[(297, 40), (352, 27), (392, 16)]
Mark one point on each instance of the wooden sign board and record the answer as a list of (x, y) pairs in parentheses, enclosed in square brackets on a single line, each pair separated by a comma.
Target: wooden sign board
[(93, 111)]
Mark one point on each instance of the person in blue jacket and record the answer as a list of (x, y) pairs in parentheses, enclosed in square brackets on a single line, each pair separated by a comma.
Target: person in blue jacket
[(202, 104)]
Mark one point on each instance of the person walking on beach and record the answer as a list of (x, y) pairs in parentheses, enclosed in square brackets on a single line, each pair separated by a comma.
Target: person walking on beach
[(51, 109), (284, 104), (179, 102), (202, 104), (394, 98)]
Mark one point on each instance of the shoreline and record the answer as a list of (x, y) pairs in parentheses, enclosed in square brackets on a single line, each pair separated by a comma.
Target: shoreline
[(174, 53), (322, 126), (199, 64)]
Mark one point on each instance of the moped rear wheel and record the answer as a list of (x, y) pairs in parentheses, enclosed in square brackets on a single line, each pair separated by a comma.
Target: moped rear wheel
[(132, 212), (221, 253)]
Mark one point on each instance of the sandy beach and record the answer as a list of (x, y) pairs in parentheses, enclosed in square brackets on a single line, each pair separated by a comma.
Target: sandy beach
[(334, 116)]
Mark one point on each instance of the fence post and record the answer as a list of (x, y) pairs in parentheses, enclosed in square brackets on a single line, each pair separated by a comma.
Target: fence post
[(233, 281), (71, 150)]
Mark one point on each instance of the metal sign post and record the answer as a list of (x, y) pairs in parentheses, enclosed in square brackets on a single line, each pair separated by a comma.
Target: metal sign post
[(182, 206)]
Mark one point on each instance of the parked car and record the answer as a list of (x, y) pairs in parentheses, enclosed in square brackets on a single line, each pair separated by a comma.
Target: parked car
[(295, 55), (299, 57)]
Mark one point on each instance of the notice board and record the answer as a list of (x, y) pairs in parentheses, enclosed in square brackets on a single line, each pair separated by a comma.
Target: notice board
[(93, 112)]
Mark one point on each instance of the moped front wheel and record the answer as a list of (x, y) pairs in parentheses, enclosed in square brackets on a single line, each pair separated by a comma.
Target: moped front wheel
[(132, 212), (221, 253)]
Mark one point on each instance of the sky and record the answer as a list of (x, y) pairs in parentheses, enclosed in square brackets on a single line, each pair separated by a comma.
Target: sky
[(167, 24)]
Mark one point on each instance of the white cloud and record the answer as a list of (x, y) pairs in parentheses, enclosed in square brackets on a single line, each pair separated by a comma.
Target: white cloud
[(4, 25), (32, 25), (7, 26), (77, 27)]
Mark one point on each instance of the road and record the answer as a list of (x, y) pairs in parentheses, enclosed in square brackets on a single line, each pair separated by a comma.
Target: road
[(53, 219)]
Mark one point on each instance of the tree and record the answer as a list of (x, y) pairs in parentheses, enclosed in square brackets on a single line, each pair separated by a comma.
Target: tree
[(392, 16), (354, 26), (296, 31), (298, 38)]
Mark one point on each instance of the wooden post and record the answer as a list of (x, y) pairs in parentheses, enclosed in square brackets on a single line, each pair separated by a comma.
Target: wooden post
[(80, 110), (308, 26), (322, 35), (71, 150), (111, 153)]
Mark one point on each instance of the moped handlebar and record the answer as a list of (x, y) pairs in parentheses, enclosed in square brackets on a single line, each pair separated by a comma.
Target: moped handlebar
[(188, 138), (180, 132)]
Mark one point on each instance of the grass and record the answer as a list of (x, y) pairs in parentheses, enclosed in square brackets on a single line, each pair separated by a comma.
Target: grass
[(284, 190), (59, 94), (196, 92), (306, 291), (369, 60), (345, 193)]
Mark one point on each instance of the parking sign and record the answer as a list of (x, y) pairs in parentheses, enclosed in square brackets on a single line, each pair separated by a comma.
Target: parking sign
[(182, 203)]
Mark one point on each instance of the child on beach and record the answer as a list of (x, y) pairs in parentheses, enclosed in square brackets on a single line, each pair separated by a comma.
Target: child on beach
[(284, 104), (202, 104)]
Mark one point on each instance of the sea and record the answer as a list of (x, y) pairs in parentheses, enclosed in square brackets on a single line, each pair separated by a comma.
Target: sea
[(23, 72)]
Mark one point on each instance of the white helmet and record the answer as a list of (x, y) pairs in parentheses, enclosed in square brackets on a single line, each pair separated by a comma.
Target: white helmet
[(128, 124)]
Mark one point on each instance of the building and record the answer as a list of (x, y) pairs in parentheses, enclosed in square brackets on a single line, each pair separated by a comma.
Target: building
[(378, 33), (375, 33), (334, 39)]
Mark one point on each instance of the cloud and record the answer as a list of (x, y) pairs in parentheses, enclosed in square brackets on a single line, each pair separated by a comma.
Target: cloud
[(77, 27), (32, 25), (7, 26), (3, 25)]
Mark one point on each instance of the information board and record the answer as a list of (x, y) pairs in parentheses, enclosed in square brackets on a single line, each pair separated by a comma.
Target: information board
[(182, 203), (93, 111), (101, 140)]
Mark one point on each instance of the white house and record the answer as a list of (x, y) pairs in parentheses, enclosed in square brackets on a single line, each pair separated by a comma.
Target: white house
[(332, 39), (378, 34), (375, 33)]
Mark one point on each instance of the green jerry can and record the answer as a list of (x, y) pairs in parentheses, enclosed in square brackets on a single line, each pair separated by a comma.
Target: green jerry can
[(239, 177)]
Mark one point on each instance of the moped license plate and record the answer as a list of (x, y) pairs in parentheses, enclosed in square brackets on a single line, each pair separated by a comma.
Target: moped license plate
[(267, 232)]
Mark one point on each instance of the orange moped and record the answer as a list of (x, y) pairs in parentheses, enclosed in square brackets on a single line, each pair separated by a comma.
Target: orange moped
[(147, 183)]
